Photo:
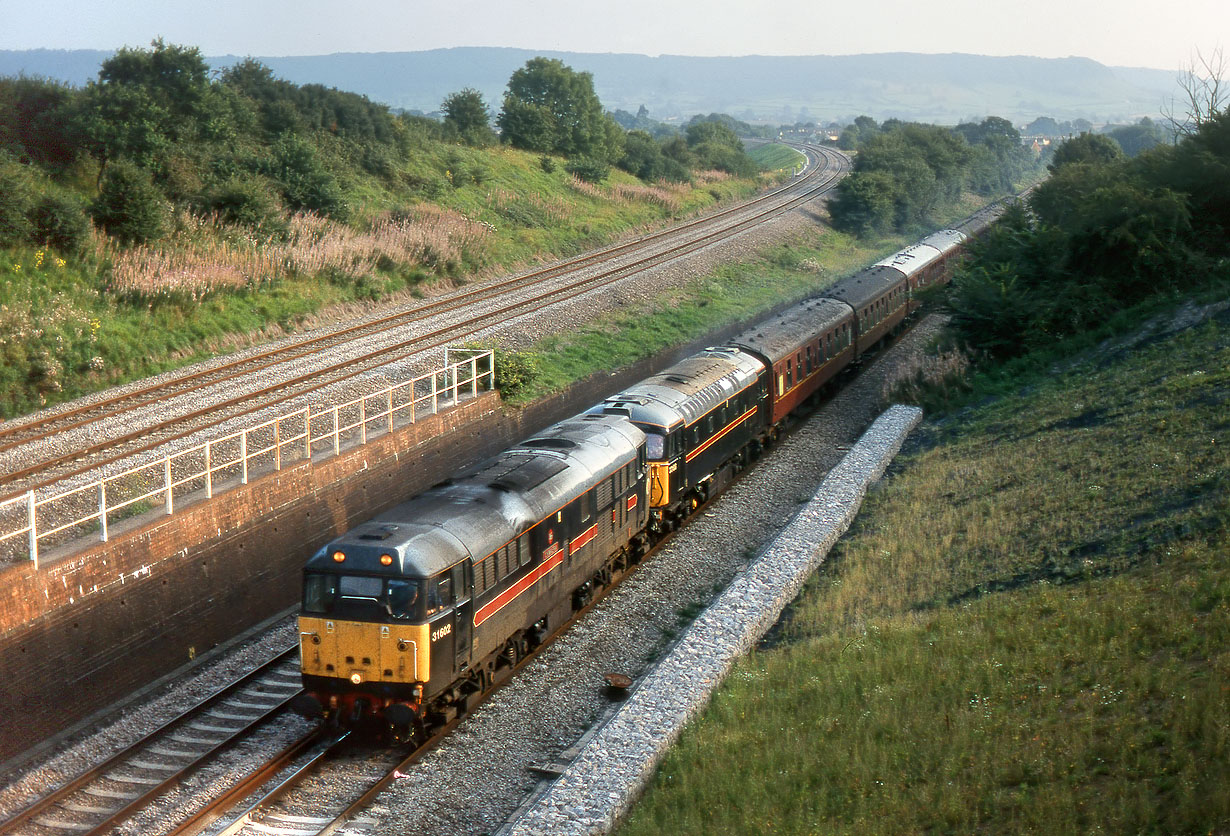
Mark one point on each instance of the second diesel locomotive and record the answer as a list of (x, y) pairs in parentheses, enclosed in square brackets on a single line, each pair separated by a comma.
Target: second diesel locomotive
[(406, 618)]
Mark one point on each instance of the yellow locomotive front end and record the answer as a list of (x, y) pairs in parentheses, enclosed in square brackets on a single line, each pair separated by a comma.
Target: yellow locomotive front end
[(365, 654), (360, 652)]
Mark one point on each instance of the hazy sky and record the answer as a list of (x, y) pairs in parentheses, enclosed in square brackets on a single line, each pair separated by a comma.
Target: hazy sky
[(1143, 33)]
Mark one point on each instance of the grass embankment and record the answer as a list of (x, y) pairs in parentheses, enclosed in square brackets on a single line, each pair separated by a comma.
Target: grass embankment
[(73, 324), (773, 156), (732, 292), (1027, 631), (793, 270)]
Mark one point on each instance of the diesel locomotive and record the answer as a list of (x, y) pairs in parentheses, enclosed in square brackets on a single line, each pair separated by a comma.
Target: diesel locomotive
[(407, 618)]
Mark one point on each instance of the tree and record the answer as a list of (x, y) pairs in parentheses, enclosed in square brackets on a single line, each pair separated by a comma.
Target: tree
[(129, 206), (1135, 139), (143, 102), (643, 157), (1092, 149), (16, 200), (34, 120), (466, 112), (1046, 126), (1205, 95), (549, 107)]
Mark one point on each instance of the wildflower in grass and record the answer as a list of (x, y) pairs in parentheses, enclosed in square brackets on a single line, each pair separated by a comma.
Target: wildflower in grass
[(60, 262), (38, 259), (16, 268)]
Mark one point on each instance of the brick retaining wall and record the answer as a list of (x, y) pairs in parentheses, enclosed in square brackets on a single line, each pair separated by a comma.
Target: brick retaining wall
[(79, 634)]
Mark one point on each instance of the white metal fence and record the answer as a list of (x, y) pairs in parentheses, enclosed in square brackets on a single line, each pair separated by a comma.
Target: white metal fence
[(31, 522)]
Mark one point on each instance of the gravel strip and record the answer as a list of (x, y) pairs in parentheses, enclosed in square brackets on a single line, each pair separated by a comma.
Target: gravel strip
[(613, 768)]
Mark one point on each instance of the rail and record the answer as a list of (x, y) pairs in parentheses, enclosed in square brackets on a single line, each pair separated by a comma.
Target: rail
[(222, 464)]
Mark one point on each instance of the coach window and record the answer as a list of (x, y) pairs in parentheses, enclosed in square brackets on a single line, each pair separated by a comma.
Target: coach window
[(523, 547)]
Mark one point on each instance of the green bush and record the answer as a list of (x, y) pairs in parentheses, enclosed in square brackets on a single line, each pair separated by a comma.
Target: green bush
[(305, 181), (60, 221), (248, 203), (515, 372), (129, 206), (588, 169)]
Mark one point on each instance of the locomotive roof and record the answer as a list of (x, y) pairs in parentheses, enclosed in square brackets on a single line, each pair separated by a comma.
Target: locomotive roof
[(477, 512), (687, 390), (780, 336), (866, 286), (917, 257)]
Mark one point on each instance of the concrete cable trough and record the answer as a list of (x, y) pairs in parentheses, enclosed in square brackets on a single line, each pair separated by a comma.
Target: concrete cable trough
[(613, 767)]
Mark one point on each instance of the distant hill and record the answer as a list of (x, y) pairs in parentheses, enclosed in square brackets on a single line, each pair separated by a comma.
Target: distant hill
[(932, 88)]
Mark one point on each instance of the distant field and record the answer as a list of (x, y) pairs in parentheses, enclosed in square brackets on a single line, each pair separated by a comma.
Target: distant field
[(1027, 631), (776, 157)]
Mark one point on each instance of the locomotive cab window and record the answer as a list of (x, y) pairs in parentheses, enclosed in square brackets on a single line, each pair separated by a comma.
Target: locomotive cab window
[(439, 595), (361, 596), (319, 592), (655, 446), (403, 595)]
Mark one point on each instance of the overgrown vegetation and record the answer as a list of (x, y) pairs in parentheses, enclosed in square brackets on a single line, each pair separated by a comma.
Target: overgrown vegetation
[(906, 174), (1102, 234), (185, 213)]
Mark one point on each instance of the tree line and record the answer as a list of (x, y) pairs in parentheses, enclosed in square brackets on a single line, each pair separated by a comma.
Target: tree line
[(1103, 233), (905, 173), (158, 132)]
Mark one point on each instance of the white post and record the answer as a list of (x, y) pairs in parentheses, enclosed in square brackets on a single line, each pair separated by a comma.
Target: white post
[(391, 405), (102, 509), (277, 443), (209, 471), (33, 529), (456, 371), (363, 419), (307, 433), (166, 472), (243, 455), (337, 435), (435, 393), (474, 376)]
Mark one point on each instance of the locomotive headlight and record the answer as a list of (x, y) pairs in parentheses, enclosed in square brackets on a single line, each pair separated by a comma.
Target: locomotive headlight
[(386, 560), (355, 679), (338, 557)]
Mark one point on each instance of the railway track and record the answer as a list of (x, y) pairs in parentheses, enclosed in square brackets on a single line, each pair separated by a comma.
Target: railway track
[(30, 461), (143, 774), (334, 787), (97, 800)]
